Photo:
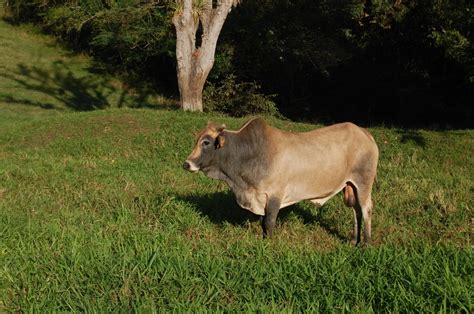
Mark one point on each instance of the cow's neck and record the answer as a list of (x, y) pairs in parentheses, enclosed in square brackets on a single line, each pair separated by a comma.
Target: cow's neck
[(228, 155), (232, 158)]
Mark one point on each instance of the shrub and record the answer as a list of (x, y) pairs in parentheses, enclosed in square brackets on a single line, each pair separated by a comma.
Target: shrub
[(24, 10), (133, 34), (237, 98)]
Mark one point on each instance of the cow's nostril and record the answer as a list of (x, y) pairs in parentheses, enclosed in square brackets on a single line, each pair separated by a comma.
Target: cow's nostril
[(186, 165)]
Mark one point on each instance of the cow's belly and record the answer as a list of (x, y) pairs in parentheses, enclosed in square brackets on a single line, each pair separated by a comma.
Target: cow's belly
[(296, 193)]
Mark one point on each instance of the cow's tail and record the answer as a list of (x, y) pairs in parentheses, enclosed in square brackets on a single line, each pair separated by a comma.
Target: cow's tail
[(349, 195)]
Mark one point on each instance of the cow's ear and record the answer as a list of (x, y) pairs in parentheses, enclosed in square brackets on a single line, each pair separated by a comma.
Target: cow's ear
[(220, 140)]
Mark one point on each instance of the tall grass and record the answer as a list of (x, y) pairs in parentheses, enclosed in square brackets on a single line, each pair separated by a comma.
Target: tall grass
[(97, 214)]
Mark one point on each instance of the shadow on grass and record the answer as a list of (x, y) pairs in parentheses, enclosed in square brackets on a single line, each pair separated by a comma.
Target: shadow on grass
[(66, 87), (222, 208), (414, 136)]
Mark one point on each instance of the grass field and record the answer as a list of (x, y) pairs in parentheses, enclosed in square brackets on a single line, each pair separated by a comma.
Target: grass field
[(35, 72), (97, 215)]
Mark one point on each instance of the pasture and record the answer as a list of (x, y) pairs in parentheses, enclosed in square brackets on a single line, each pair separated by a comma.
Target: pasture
[(97, 214)]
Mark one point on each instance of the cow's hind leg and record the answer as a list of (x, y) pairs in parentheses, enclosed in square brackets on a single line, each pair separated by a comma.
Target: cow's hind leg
[(365, 204), (350, 201), (357, 224), (367, 214), (361, 201)]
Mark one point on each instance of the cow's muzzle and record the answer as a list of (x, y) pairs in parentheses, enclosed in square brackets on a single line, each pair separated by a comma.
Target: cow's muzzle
[(190, 166)]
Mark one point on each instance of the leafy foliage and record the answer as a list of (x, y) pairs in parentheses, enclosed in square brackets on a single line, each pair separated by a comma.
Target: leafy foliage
[(238, 99), (407, 62), (454, 44), (403, 62)]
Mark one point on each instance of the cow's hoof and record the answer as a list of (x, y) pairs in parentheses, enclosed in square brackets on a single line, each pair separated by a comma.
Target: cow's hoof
[(355, 242)]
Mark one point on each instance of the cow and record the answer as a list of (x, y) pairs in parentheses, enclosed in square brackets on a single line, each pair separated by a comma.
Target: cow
[(268, 169)]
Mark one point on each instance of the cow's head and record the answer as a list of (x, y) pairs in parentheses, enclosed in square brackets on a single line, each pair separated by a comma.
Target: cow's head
[(208, 142)]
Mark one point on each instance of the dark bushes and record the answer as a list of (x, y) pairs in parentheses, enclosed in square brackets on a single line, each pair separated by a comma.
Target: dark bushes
[(393, 62), (396, 62), (237, 99)]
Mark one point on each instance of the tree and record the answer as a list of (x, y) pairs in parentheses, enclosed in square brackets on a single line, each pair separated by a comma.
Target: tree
[(194, 62)]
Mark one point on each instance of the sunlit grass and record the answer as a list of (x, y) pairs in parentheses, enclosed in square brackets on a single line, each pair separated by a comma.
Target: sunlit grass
[(36, 71), (98, 214)]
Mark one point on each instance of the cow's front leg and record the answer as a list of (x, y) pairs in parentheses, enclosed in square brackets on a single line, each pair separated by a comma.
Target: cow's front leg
[(269, 220)]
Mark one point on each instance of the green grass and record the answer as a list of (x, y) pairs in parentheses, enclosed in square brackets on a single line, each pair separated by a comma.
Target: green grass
[(35, 71), (96, 214)]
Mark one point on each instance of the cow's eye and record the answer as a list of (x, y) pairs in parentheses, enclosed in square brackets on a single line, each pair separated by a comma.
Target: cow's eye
[(205, 143)]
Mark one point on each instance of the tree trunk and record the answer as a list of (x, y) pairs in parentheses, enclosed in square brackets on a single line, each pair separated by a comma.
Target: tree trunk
[(195, 63), (191, 94)]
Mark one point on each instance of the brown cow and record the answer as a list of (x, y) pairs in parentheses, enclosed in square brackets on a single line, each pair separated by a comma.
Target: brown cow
[(269, 169)]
